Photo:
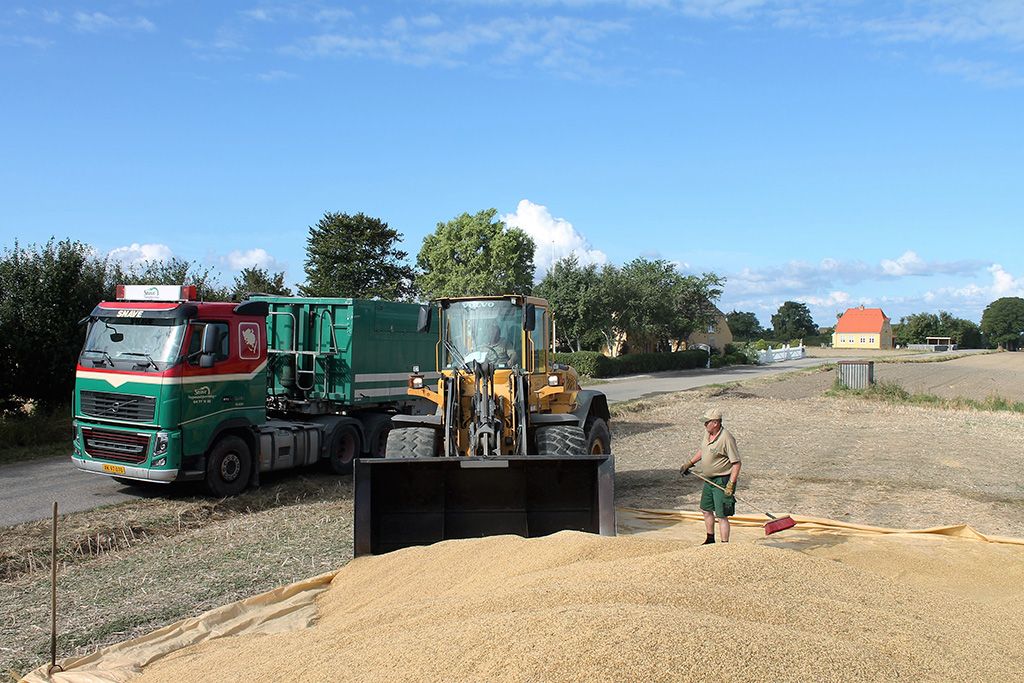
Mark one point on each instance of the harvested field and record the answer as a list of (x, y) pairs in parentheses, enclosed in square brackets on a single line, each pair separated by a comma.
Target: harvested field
[(575, 607), (805, 453), (974, 376)]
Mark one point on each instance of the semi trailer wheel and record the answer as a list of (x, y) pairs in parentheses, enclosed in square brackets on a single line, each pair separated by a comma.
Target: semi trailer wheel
[(345, 447), (599, 439), (561, 440), (228, 467), (412, 442)]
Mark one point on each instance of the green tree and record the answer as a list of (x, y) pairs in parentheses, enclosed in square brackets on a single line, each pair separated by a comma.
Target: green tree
[(173, 271), (793, 321), (44, 291), (475, 255), (917, 327), (653, 303), (256, 280), (578, 302), (1002, 322), (744, 325), (355, 256)]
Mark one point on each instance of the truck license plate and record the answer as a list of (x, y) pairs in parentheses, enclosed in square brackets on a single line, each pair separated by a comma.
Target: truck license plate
[(113, 469)]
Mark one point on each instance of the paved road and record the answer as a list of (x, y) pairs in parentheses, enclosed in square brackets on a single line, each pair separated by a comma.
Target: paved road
[(29, 489)]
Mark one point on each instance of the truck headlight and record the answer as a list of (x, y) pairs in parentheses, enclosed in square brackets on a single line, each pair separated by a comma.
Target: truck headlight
[(162, 439), (74, 430)]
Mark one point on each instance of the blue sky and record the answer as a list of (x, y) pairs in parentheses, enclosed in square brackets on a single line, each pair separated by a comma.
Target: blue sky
[(834, 153)]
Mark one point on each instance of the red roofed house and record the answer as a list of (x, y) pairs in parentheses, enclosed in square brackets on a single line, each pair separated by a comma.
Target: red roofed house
[(863, 328)]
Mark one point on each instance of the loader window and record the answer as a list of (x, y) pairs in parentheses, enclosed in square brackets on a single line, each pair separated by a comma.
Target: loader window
[(488, 330), (538, 340)]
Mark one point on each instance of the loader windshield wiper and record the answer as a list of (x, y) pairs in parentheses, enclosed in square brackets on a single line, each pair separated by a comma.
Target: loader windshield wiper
[(105, 355), (460, 361)]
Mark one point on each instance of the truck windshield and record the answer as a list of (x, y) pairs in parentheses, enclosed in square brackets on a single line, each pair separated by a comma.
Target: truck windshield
[(115, 342), (490, 330)]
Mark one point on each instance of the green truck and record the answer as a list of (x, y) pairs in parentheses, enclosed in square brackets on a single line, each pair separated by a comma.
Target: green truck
[(172, 389)]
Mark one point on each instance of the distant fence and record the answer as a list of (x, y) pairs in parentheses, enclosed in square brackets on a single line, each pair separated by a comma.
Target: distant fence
[(932, 347), (786, 352)]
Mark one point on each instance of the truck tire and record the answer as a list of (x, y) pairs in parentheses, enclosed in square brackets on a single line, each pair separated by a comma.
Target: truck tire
[(412, 442), (228, 467), (561, 440), (345, 448), (599, 439)]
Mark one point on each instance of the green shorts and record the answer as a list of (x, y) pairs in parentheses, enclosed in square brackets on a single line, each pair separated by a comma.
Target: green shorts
[(715, 500)]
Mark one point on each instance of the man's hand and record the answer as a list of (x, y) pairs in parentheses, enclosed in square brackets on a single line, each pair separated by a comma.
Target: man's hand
[(685, 469), (730, 488)]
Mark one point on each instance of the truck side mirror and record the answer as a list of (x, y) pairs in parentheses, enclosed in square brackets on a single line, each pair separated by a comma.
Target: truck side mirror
[(530, 318), (210, 340), (423, 322)]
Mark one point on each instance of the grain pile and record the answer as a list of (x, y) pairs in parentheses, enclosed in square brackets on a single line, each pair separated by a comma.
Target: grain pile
[(576, 607)]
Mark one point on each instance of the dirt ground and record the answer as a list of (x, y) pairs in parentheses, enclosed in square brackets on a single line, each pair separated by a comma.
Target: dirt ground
[(843, 458), (976, 377)]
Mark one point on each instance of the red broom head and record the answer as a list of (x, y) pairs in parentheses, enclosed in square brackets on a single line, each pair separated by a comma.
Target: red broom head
[(780, 524)]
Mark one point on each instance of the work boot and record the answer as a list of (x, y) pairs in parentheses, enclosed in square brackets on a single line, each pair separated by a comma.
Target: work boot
[(709, 539)]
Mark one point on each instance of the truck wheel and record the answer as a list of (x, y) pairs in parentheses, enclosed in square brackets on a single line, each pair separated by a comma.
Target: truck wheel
[(561, 440), (412, 442), (345, 448), (599, 439), (228, 467)]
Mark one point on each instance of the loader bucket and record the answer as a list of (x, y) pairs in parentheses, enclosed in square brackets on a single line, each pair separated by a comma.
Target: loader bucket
[(402, 502)]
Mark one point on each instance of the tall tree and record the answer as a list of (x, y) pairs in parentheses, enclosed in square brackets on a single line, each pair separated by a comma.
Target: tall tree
[(44, 291), (256, 280), (744, 325), (355, 256), (475, 255), (653, 303), (793, 321), (1003, 322), (578, 302)]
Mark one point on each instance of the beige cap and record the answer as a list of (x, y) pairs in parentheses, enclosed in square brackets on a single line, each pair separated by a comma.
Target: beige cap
[(711, 414)]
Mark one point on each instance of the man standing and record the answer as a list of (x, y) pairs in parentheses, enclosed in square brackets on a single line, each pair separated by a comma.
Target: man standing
[(720, 462)]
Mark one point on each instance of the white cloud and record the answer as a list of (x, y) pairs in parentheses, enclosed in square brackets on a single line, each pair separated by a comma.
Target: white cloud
[(275, 75), (95, 22), (1003, 284), (556, 238), (836, 298), (237, 260), (140, 253), (907, 264), (988, 74)]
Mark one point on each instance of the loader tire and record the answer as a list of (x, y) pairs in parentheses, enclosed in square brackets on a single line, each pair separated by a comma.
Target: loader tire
[(411, 442), (561, 440), (599, 439)]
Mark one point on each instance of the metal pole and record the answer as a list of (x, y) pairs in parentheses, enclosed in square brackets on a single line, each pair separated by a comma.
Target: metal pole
[(53, 597)]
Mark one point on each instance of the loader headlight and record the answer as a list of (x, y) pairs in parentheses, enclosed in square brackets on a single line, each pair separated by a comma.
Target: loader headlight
[(416, 382), (554, 380)]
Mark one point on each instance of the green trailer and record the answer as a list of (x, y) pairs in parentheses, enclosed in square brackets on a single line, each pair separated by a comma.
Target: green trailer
[(173, 389)]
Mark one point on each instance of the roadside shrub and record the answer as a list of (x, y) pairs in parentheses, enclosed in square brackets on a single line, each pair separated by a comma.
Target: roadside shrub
[(597, 365)]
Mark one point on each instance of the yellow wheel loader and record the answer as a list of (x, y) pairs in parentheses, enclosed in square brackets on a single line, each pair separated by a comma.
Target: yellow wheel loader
[(514, 446)]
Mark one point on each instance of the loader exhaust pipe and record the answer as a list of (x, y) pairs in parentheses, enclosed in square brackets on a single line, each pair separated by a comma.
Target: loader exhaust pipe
[(403, 502)]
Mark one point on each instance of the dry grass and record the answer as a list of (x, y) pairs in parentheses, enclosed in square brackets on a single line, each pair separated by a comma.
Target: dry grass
[(128, 569)]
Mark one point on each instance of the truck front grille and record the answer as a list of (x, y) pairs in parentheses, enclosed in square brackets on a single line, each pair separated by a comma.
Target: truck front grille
[(107, 404), (111, 445)]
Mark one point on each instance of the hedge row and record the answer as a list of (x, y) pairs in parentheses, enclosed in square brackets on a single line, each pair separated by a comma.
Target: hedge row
[(595, 364)]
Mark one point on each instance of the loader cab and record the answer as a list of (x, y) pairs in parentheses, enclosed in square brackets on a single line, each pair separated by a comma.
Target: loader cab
[(508, 332)]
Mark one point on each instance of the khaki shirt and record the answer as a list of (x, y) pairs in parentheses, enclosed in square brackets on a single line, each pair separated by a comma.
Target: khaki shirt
[(718, 455)]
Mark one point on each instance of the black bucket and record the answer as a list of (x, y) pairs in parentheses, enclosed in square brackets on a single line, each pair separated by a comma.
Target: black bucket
[(402, 502)]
